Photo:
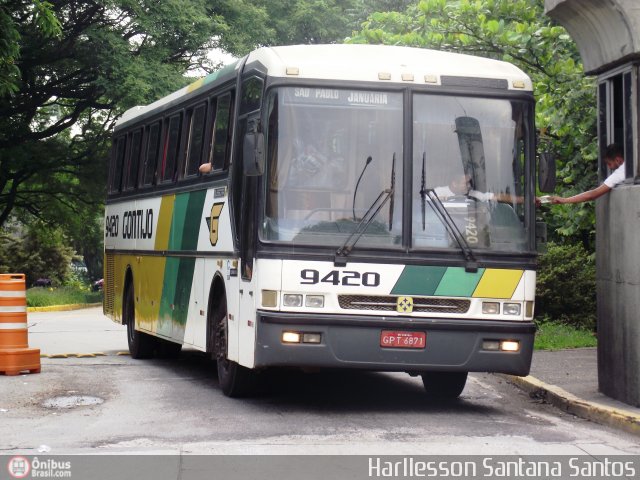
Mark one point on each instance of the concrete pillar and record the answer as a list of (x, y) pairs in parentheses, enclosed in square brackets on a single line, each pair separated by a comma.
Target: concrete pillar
[(618, 291), (607, 33)]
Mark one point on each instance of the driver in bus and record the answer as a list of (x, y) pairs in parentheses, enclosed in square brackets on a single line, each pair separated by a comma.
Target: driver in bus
[(462, 186)]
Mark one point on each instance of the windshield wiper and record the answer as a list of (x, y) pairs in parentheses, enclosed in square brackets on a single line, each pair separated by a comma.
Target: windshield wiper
[(393, 189), (423, 191), (355, 191), (362, 225), (470, 262), (383, 197)]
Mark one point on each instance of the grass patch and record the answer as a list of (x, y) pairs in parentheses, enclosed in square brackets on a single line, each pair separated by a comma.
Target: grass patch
[(47, 297), (557, 336)]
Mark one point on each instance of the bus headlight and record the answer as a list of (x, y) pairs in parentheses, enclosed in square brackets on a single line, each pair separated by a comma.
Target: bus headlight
[(314, 301), (509, 346), (292, 300), (490, 308), (269, 298), (511, 309), (291, 337)]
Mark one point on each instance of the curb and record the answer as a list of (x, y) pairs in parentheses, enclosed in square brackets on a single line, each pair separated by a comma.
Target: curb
[(567, 402), (63, 308), (83, 355)]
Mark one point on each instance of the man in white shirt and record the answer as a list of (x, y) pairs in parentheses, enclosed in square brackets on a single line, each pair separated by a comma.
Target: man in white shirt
[(614, 157)]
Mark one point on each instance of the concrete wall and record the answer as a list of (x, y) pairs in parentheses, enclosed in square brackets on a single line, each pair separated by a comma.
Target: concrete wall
[(618, 290), (607, 32)]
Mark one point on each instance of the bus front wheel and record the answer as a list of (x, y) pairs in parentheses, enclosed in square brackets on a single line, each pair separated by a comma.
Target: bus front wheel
[(235, 380), (444, 385), (141, 345)]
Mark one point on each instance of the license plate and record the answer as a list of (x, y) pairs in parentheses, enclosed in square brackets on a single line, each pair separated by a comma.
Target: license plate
[(394, 339)]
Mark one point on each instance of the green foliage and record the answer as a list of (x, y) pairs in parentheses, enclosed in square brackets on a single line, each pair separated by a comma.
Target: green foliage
[(38, 253), (519, 32), (68, 295), (566, 286), (37, 15), (557, 336)]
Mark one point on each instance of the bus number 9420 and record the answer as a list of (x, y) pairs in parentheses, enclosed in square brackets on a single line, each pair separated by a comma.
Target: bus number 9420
[(346, 278)]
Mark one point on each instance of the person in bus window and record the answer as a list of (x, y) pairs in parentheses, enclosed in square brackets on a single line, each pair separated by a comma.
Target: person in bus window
[(614, 158), (462, 186)]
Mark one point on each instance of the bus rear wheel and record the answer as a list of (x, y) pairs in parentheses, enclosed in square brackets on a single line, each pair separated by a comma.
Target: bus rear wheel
[(235, 380), (444, 385), (141, 345)]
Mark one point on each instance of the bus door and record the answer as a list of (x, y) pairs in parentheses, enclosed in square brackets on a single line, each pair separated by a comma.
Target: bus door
[(250, 136)]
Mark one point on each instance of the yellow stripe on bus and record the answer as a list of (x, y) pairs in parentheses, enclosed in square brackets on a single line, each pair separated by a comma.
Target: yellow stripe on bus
[(164, 222), (498, 283), (150, 277)]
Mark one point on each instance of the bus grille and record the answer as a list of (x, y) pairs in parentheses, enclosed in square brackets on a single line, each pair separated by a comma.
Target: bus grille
[(389, 304)]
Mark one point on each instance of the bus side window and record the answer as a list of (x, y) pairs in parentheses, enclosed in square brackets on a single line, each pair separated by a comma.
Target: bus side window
[(117, 163), (151, 159), (171, 145), (196, 139), (131, 180), (219, 157)]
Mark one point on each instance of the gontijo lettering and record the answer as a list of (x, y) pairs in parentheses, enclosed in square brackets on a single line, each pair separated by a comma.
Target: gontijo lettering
[(137, 224)]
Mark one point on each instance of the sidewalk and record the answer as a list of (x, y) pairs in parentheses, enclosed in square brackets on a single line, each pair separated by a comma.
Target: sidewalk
[(568, 379)]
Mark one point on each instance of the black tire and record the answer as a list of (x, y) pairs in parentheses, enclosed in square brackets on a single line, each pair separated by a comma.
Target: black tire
[(444, 385), (235, 380), (141, 345)]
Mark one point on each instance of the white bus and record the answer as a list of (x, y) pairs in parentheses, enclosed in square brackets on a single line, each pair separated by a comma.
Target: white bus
[(365, 207)]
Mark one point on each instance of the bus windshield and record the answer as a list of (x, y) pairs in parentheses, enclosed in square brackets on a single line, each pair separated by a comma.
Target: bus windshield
[(469, 156), (332, 152)]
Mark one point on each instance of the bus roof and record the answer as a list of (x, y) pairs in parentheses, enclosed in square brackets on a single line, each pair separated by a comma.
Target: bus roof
[(382, 63), (365, 63)]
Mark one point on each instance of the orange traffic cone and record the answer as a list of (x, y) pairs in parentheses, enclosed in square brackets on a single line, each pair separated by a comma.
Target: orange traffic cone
[(15, 354)]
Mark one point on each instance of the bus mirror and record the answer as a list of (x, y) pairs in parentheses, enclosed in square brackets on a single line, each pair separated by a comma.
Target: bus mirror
[(253, 154), (547, 172)]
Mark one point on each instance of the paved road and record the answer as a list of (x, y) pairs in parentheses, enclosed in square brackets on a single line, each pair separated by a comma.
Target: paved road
[(175, 406)]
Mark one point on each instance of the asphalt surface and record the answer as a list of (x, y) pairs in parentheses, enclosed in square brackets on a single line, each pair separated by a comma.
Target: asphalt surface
[(175, 406)]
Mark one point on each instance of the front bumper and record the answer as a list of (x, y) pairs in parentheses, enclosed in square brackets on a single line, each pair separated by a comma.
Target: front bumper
[(353, 341)]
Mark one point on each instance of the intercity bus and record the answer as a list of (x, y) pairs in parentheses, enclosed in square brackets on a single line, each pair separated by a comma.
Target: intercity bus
[(330, 206)]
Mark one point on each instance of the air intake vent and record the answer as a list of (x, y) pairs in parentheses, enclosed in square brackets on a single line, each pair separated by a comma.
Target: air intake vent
[(109, 288)]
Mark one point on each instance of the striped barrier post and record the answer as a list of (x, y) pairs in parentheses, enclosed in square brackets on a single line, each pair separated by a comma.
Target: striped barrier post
[(15, 354)]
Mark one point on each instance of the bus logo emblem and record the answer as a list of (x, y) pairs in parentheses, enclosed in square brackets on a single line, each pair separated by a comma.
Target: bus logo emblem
[(213, 222), (404, 305)]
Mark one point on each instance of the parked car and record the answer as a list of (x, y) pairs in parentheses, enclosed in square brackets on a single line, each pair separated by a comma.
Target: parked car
[(97, 285), (42, 282)]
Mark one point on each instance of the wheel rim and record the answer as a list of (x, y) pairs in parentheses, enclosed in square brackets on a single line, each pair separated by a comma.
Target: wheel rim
[(220, 342)]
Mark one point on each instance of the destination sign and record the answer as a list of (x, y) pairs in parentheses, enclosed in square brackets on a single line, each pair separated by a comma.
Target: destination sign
[(341, 97)]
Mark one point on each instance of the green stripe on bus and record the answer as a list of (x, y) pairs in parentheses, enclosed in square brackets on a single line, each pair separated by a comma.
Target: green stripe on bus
[(418, 280), (193, 220), (458, 283), (187, 216), (176, 291), (184, 281), (165, 316), (177, 223)]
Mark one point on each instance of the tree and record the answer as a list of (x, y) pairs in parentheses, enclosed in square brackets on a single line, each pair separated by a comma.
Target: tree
[(71, 67), (517, 31), (37, 251)]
